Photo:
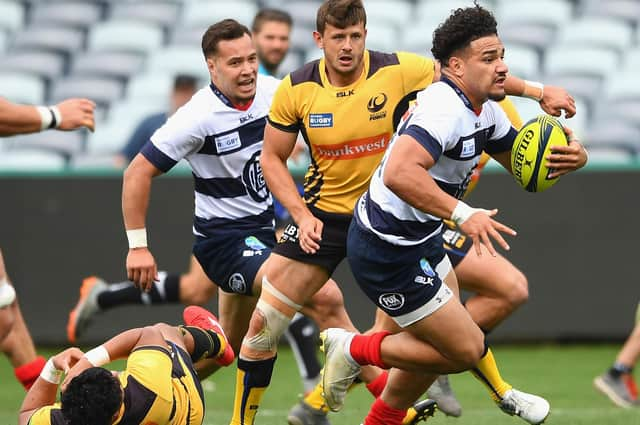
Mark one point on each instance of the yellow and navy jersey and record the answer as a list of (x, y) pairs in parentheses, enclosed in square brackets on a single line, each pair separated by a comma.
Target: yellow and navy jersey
[(347, 128), (512, 113), (160, 388)]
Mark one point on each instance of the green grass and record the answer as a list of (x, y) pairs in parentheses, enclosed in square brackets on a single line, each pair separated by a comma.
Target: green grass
[(563, 374)]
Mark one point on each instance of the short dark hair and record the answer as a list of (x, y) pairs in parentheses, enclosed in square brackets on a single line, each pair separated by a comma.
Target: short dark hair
[(270, 15), (340, 14), (227, 29), (185, 82), (461, 28), (93, 397)]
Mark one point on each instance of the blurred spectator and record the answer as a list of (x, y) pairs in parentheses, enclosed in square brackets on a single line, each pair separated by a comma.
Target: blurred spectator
[(184, 86), (271, 29)]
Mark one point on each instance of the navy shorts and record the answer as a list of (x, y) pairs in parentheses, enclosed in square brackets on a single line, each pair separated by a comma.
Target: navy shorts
[(403, 281), (232, 261), (456, 244)]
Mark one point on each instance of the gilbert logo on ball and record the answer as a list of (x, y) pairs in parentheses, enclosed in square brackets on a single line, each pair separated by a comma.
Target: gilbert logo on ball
[(531, 147)]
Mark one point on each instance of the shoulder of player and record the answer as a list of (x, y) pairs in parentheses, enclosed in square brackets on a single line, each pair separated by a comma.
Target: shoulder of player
[(307, 73)]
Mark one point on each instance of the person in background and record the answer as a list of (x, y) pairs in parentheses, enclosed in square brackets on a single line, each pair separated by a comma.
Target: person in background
[(617, 383), (15, 341)]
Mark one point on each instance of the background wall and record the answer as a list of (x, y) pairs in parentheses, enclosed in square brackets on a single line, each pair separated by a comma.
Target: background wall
[(577, 243)]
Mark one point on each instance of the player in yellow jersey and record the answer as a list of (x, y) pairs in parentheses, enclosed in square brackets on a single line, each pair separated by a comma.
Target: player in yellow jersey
[(158, 387), (345, 105)]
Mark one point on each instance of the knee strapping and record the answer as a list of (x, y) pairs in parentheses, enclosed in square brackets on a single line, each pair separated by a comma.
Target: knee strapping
[(274, 325)]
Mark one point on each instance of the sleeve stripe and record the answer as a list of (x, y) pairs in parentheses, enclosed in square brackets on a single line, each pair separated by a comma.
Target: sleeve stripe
[(427, 141), (159, 159), (502, 144), (293, 128)]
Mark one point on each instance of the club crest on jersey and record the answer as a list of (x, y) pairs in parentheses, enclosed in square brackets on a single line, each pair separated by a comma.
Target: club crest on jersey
[(375, 105), (320, 120), (391, 301), (253, 179), (228, 142), (426, 267), (237, 283), (468, 148)]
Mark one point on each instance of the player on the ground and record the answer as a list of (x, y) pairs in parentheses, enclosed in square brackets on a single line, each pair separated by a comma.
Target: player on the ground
[(395, 245), (159, 385), (617, 383), (345, 104), (15, 340)]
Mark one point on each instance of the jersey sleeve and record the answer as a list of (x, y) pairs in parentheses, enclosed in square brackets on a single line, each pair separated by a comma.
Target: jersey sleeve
[(417, 71), (512, 113), (503, 135), (433, 127), (45, 415), (180, 136), (284, 114), (151, 366)]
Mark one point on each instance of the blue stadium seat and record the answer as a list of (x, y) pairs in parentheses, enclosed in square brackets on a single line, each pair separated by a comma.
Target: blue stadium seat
[(107, 64), (537, 36), (75, 14), (22, 88), (204, 13), (187, 36), (553, 13), (610, 133), (628, 10), (158, 12), (597, 32), (60, 39), (47, 65), (578, 60), (12, 16), (126, 36), (179, 59), (103, 91)]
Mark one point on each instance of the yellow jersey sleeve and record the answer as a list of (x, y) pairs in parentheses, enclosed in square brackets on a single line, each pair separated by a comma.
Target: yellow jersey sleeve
[(284, 114), (417, 71), (151, 366), (44, 415)]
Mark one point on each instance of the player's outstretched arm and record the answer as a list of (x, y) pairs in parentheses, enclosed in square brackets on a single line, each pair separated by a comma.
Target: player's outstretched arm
[(553, 100), (136, 188), (43, 392), (67, 115), (276, 149)]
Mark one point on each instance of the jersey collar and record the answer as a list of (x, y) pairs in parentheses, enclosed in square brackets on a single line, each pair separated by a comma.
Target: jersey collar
[(224, 99), (363, 76), (461, 95)]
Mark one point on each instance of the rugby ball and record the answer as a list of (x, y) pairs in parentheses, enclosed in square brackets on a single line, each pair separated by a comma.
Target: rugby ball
[(531, 147)]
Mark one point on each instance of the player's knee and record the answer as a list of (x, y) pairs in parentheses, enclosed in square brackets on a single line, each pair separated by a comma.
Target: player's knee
[(519, 290), (194, 292), (469, 352), (266, 326), (328, 307), (7, 319)]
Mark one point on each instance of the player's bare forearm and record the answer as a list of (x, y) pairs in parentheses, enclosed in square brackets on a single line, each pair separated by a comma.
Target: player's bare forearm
[(136, 189), (18, 119), (42, 393)]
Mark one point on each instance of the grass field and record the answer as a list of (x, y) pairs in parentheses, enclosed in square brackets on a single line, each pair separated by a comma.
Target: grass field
[(563, 374)]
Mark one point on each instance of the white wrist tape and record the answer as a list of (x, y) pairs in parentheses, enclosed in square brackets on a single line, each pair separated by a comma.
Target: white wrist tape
[(533, 90), (57, 116), (50, 373), (98, 356), (137, 238), (46, 117), (462, 212)]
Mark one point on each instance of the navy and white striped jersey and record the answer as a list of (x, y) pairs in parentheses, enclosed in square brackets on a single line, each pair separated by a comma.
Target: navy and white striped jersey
[(446, 125), (222, 144)]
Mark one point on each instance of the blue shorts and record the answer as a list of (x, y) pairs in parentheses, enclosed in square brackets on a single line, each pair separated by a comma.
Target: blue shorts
[(232, 261), (404, 281)]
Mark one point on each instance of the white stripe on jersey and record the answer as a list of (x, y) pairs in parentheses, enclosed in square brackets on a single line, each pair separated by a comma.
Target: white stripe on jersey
[(461, 135)]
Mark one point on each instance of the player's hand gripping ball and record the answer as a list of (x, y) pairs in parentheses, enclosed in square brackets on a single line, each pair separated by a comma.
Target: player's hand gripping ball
[(531, 147)]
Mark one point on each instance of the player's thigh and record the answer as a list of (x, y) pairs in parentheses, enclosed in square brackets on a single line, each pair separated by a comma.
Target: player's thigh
[(6, 323), (295, 279), (488, 275), (195, 285), (3, 270), (234, 313), (171, 333)]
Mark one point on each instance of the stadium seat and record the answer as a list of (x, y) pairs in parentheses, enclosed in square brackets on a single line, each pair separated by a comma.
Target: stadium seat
[(69, 13), (125, 35), (631, 59), (179, 59), (154, 86), (628, 10), (190, 37), (622, 85), (523, 61), (29, 161), (597, 32), (11, 15), (103, 91), (577, 60), (381, 36), (583, 86), (291, 62), (301, 37), (47, 65), (390, 12), (111, 138), (92, 162), (609, 157), (302, 12), (534, 35), (61, 39), (416, 37), (22, 88), (156, 12), (65, 143), (439, 10), (529, 109), (107, 64), (613, 134), (553, 13), (205, 13), (3, 41)]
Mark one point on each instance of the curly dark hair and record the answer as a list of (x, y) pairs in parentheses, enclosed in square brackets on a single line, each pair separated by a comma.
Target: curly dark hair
[(92, 398), (461, 28)]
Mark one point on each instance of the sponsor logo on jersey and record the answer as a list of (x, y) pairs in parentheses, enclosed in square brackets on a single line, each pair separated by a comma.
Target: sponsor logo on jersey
[(345, 93), (468, 148), (391, 301), (254, 243), (426, 267), (237, 283), (421, 280), (290, 234), (320, 120), (453, 238), (228, 142), (354, 148), (246, 118)]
